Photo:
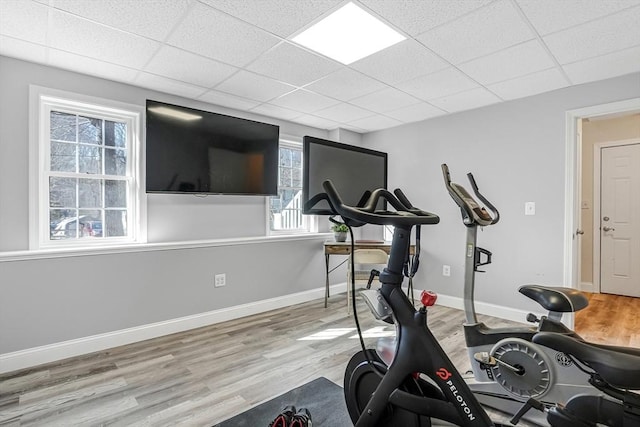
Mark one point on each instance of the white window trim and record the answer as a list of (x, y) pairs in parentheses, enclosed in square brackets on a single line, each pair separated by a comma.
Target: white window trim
[(296, 142), (40, 100)]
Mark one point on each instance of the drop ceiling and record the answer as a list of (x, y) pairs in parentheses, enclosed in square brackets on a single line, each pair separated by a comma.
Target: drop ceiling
[(458, 55)]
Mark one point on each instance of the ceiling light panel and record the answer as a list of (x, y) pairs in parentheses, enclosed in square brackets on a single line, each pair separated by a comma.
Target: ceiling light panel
[(348, 34)]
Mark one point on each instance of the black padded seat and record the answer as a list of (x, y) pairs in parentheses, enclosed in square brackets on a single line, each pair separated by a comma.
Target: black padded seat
[(618, 366), (558, 299)]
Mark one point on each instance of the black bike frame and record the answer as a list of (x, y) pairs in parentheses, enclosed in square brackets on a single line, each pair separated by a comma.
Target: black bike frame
[(418, 351)]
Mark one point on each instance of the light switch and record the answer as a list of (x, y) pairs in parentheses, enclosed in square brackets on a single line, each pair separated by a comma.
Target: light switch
[(530, 208)]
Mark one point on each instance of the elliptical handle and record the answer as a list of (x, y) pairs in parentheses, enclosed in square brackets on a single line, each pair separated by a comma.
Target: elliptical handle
[(368, 214), (494, 211), (472, 213)]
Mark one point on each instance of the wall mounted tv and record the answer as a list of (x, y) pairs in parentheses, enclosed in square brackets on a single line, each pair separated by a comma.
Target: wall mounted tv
[(194, 151), (353, 170)]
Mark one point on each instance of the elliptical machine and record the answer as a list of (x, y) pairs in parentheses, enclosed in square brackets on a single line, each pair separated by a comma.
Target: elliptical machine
[(422, 383), (508, 368)]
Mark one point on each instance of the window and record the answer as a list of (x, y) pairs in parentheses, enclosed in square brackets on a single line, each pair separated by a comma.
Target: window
[(285, 209), (88, 177)]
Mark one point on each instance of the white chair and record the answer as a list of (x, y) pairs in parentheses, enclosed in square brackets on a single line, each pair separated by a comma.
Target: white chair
[(364, 260)]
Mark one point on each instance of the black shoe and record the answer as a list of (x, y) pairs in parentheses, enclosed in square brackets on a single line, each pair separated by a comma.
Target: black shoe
[(302, 418), (285, 418)]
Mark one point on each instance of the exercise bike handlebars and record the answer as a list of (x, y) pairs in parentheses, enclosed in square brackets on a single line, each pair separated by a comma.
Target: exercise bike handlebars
[(472, 212), (405, 215)]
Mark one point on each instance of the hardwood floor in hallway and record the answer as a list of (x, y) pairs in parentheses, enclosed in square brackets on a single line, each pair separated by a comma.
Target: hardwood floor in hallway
[(610, 319)]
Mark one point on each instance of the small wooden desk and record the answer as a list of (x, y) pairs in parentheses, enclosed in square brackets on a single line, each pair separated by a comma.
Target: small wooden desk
[(344, 248)]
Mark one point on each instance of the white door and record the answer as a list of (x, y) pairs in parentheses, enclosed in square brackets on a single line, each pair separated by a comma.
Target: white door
[(620, 220)]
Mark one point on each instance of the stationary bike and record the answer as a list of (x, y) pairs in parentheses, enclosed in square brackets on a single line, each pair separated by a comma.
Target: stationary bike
[(520, 369), (397, 394)]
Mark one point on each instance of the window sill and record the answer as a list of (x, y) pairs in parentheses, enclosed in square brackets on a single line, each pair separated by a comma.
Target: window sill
[(151, 247)]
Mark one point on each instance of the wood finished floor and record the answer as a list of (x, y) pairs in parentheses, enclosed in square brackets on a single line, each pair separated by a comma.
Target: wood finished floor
[(203, 376), (610, 319)]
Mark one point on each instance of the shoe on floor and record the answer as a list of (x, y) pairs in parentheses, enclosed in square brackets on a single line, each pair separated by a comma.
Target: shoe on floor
[(284, 418)]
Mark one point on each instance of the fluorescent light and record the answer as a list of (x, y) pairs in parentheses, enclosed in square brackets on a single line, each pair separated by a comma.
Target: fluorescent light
[(177, 114), (348, 34)]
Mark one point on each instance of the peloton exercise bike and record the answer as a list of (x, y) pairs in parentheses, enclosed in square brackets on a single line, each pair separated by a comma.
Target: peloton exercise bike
[(519, 369), (421, 382)]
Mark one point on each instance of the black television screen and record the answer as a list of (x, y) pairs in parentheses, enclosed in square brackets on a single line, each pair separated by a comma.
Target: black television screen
[(352, 170), (194, 151)]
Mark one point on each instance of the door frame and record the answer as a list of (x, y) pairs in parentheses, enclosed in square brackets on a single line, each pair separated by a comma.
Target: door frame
[(573, 174), (597, 181)]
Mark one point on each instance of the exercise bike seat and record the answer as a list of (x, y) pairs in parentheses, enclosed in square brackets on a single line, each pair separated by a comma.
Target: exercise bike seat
[(558, 299), (618, 366)]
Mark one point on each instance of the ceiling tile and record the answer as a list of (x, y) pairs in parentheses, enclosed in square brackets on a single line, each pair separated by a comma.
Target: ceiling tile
[(531, 84), (468, 100), (400, 62), (188, 67), (227, 100), (509, 63), (150, 19), (438, 84), (292, 64), (90, 66), (610, 34), (213, 34), (270, 110), (27, 51), (343, 113), (374, 123), (72, 34), (415, 112), (385, 100), (345, 84), (253, 86), (548, 16), (417, 16), (604, 67), (317, 122), (281, 17), (24, 20), (304, 101), (163, 84), (481, 32)]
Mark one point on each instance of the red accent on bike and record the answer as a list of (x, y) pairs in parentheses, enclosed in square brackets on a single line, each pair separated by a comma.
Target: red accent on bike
[(443, 374), (428, 298)]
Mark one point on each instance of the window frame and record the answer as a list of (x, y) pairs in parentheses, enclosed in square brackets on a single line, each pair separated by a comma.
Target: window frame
[(311, 220), (42, 102)]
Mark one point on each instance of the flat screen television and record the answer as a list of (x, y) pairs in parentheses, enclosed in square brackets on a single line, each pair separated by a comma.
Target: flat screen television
[(194, 151), (352, 170)]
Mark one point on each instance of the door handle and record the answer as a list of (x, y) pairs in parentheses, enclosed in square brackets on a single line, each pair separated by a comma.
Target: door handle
[(578, 231), (605, 229)]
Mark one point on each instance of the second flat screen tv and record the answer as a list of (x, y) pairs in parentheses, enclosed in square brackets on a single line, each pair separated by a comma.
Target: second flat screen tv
[(194, 151), (352, 170)]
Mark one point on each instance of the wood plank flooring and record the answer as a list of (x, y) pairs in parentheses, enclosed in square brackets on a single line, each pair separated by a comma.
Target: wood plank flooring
[(204, 376), (610, 319)]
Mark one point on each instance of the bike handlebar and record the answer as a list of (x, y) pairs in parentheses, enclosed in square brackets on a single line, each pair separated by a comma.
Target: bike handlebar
[(472, 212), (405, 213)]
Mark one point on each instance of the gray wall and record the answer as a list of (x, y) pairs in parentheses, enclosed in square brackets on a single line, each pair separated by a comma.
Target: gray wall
[(516, 151), (45, 301)]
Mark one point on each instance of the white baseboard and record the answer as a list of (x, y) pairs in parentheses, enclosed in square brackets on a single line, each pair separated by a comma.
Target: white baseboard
[(588, 287), (50, 353), (499, 311)]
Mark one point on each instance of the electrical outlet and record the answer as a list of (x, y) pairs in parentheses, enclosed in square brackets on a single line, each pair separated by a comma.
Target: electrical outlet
[(220, 280), (446, 270)]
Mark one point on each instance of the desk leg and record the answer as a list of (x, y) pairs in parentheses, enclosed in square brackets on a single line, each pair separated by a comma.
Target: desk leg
[(326, 291)]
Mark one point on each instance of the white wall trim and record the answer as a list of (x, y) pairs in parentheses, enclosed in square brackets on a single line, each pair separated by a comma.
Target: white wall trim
[(588, 287), (53, 352), (508, 313), (149, 247), (572, 197)]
